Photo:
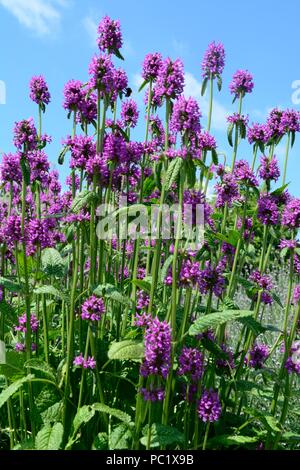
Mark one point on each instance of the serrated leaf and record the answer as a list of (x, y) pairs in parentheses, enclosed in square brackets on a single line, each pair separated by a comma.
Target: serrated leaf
[(50, 437), (13, 388), (83, 199), (219, 82), (119, 414), (51, 290), (83, 416), (10, 285), (41, 366), (162, 436), (120, 437), (53, 414), (173, 172), (52, 262), (25, 169), (165, 268), (100, 442), (144, 285), (214, 156), (253, 325), (110, 292), (213, 320), (125, 350)]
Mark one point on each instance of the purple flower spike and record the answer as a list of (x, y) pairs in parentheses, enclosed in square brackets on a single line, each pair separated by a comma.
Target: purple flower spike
[(209, 406)]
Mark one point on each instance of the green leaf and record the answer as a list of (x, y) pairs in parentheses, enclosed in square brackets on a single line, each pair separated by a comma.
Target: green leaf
[(165, 268), (83, 199), (50, 437), (214, 348), (100, 442), (83, 416), (10, 285), (52, 262), (13, 388), (280, 190), (219, 82), (293, 134), (124, 417), (162, 436), (8, 312), (173, 172), (143, 85), (62, 154), (268, 421), (110, 292), (118, 54), (53, 414), (229, 133), (214, 157), (120, 437), (125, 350), (228, 440), (41, 366), (216, 319), (276, 298), (253, 325), (204, 85), (51, 290), (144, 285), (25, 169)]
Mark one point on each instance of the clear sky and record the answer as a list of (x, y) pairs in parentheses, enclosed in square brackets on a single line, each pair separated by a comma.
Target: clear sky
[(56, 38)]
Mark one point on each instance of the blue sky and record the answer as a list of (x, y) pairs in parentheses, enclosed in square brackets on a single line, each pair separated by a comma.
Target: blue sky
[(56, 38)]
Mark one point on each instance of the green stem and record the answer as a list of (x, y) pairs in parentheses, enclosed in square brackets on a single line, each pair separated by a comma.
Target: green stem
[(286, 157)]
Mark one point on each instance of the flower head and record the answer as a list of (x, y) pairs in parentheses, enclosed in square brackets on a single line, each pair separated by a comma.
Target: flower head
[(209, 407), (213, 60), (110, 36), (269, 168), (129, 113), (151, 66), (186, 115), (157, 349), (242, 83), (39, 92), (92, 309), (191, 363)]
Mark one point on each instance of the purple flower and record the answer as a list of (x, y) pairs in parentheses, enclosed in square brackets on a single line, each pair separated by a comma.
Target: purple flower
[(20, 347), (242, 83), (73, 95), (186, 115), (213, 60), (39, 92), (88, 107), (227, 190), (290, 121), (189, 273), (129, 113), (259, 133), (143, 320), (269, 168), (291, 214), (244, 174), (152, 394), (115, 149), (10, 168), (229, 361), (209, 406), (170, 79), (211, 279), (297, 294), (274, 122), (110, 36), (268, 213), (248, 224), (102, 73), (120, 82), (82, 148), (151, 66), (92, 309), (293, 361), (25, 134), (191, 363), (206, 141), (142, 301), (34, 323), (88, 363), (157, 349), (289, 244), (258, 355), (262, 280), (238, 119)]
